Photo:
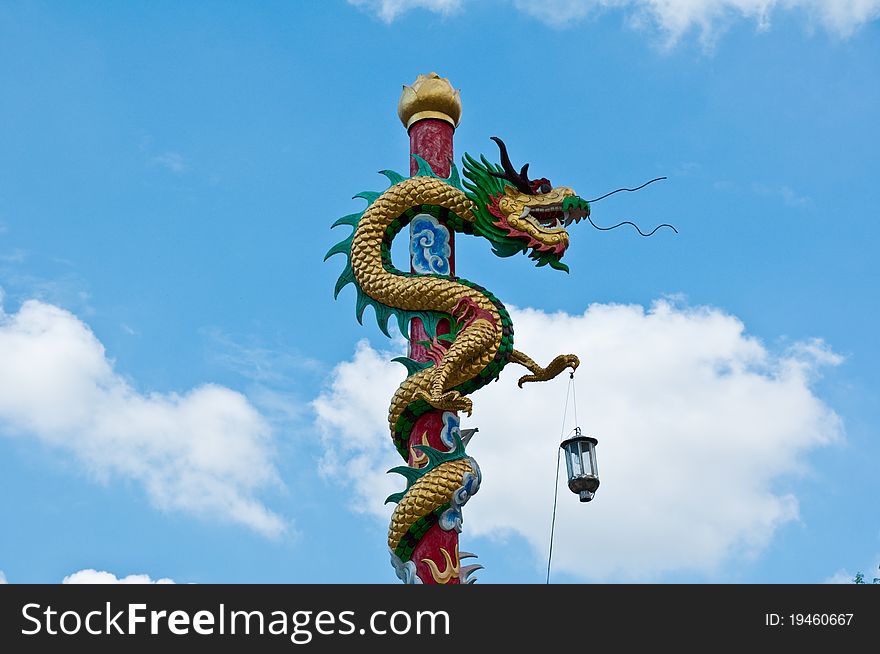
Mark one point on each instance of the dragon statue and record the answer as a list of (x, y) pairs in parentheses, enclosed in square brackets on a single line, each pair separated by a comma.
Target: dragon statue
[(516, 214)]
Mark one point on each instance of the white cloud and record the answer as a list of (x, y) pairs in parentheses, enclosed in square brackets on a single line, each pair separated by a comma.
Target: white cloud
[(841, 16), (869, 572), (16, 256), (90, 576), (172, 161), (789, 197), (388, 10), (698, 424), (673, 18), (206, 452), (257, 362), (793, 199), (840, 577), (359, 395)]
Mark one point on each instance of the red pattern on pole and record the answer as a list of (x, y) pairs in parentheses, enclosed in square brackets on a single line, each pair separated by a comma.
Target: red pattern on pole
[(431, 139)]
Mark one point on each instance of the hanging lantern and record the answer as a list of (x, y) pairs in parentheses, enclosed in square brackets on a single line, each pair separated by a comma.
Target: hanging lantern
[(580, 461)]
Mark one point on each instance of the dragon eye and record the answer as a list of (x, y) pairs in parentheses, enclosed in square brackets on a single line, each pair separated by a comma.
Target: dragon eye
[(541, 185)]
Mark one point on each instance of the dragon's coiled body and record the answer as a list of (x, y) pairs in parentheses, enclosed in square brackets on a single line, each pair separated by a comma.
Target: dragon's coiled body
[(480, 342), (479, 352), (483, 347), (428, 495)]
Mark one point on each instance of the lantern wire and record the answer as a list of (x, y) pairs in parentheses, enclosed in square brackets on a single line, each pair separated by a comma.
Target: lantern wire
[(569, 393)]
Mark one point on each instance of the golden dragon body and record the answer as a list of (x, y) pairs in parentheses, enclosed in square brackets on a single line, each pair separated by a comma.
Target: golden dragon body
[(516, 215)]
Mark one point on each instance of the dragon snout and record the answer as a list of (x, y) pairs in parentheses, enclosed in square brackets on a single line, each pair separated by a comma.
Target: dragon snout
[(575, 209), (555, 216)]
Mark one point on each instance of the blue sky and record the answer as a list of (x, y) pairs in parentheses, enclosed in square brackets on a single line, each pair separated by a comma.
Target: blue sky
[(178, 383)]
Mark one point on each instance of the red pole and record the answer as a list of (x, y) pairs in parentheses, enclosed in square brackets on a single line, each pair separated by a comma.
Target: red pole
[(430, 110)]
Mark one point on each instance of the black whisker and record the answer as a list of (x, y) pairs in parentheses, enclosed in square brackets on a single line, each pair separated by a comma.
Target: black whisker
[(627, 222), (602, 197)]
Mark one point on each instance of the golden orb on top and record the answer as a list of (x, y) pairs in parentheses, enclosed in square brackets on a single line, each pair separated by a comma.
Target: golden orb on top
[(430, 96)]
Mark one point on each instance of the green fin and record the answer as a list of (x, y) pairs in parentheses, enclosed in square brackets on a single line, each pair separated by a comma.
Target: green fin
[(383, 313), (435, 457), (369, 196), (395, 497), (361, 304), (411, 474), (454, 179), (412, 366), (556, 263), (402, 323), (343, 247), (393, 177), (346, 278), (425, 169), (351, 219)]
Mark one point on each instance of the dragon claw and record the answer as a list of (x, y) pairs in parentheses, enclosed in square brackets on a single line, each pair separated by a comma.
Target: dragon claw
[(448, 401), (553, 369)]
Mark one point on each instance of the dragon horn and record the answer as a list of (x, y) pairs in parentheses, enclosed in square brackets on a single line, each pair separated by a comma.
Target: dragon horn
[(505, 158), (520, 180)]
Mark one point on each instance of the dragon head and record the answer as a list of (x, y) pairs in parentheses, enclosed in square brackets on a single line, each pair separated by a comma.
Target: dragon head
[(517, 214)]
